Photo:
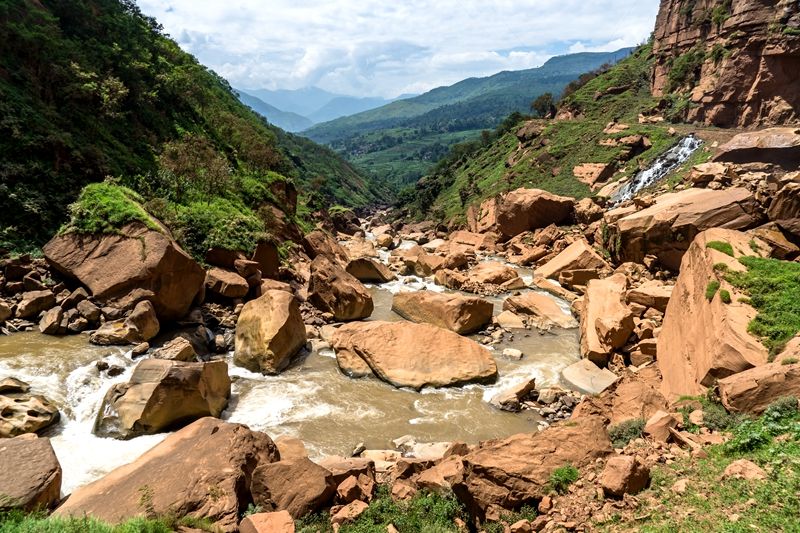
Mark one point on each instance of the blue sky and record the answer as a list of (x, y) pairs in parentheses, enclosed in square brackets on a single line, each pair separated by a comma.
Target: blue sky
[(380, 48)]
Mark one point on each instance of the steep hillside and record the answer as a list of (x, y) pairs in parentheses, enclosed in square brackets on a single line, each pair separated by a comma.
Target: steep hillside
[(92, 88), (401, 140), (545, 153), (733, 62), (285, 120)]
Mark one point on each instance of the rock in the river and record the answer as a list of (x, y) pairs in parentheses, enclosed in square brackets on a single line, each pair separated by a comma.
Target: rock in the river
[(752, 391), (606, 321), (520, 210), (493, 273), (406, 354), (178, 349), (298, 486), (31, 478), (539, 305), (34, 302), (509, 399), (667, 228), (269, 332), (22, 412), (333, 290), (506, 474), (226, 283), (162, 395), (461, 314), (136, 260), (577, 256), (588, 377), (50, 324), (702, 341), (368, 270), (140, 326), (203, 471)]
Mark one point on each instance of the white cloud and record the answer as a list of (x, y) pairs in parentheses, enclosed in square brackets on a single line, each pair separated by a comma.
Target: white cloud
[(372, 47)]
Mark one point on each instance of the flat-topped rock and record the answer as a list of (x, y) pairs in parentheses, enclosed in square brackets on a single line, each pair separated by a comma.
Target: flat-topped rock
[(457, 313), (588, 378), (541, 306)]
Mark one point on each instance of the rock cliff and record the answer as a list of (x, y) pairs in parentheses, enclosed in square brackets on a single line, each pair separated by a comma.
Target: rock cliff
[(736, 60)]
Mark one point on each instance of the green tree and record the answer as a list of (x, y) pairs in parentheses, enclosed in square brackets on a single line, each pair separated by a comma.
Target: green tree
[(544, 106)]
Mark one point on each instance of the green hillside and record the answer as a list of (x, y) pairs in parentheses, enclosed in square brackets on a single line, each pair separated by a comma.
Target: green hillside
[(92, 88), (400, 141), (478, 170)]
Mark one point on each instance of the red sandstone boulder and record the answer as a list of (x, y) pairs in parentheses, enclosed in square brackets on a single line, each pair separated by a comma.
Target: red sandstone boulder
[(31, 479), (752, 391), (624, 474), (368, 270), (520, 210), (606, 321), (541, 306), (333, 290), (226, 284), (115, 266), (297, 486), (577, 256), (461, 314)]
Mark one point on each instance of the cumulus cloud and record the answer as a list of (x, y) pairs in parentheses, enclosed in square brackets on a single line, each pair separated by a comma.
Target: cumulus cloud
[(377, 48)]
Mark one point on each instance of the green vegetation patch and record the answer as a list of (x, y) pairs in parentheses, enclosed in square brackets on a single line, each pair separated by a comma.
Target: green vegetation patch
[(773, 288), (721, 246), (624, 432), (19, 522), (106, 208), (711, 289), (561, 478), (725, 296), (711, 503)]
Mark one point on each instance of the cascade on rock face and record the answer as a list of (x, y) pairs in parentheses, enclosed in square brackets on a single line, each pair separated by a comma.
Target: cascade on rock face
[(672, 159)]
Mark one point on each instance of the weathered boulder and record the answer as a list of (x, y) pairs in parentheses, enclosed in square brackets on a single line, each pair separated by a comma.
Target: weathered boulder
[(772, 234), (518, 211), (752, 391), (624, 474), (651, 294), (113, 266), (31, 478), (702, 341), (333, 290), (492, 273), (636, 399), (657, 426), (606, 321), (298, 486), (461, 314), (541, 306), (268, 259), (161, 395), (269, 332), (34, 302), (509, 473), (203, 471), (321, 243), (784, 209), (178, 349), (577, 256), (406, 354), (667, 228), (278, 522), (226, 283), (368, 270), (140, 326), (51, 322), (779, 146), (587, 377), (509, 399), (22, 412), (593, 173), (744, 469)]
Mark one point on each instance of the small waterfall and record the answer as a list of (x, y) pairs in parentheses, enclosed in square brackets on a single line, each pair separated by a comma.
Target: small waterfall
[(672, 159)]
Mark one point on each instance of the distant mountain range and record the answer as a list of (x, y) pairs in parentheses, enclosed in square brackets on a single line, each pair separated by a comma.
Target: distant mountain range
[(297, 110), (402, 139)]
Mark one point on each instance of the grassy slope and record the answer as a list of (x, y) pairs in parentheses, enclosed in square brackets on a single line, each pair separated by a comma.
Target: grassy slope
[(91, 88), (568, 144)]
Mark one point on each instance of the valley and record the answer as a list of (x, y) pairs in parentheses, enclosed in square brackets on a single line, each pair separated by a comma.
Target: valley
[(442, 313)]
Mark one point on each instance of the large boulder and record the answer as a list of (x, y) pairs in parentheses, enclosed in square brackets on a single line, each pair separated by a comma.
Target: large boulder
[(606, 321), (268, 259), (321, 243), (333, 290), (368, 270), (651, 294), (587, 377), (667, 228), (412, 355), (785, 209), (161, 395), (779, 146), (752, 391), (34, 302), (520, 210), (202, 471), (492, 273), (140, 326), (461, 314), (226, 284), (702, 341), (577, 256), (624, 474), (269, 332), (508, 473), (298, 486), (31, 478), (541, 306), (136, 260), (22, 412)]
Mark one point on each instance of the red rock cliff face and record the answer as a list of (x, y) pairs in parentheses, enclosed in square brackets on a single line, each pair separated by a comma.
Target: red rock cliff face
[(738, 60)]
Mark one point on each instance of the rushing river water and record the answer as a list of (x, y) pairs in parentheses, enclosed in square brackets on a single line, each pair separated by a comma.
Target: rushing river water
[(312, 400)]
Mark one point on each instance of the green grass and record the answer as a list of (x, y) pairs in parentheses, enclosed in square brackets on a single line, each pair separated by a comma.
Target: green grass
[(725, 296), (18, 522), (711, 289), (773, 288), (624, 432), (721, 246), (710, 502), (105, 208), (427, 512), (561, 478)]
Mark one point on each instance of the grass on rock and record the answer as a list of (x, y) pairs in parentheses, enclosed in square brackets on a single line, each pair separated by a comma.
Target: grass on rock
[(721, 246), (561, 478), (19, 522), (105, 208), (624, 432)]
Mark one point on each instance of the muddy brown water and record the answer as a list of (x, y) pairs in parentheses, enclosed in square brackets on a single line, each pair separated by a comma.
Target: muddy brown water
[(311, 400)]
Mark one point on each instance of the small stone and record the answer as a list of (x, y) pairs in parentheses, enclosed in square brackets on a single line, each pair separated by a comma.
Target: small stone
[(680, 486), (512, 353), (140, 349)]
